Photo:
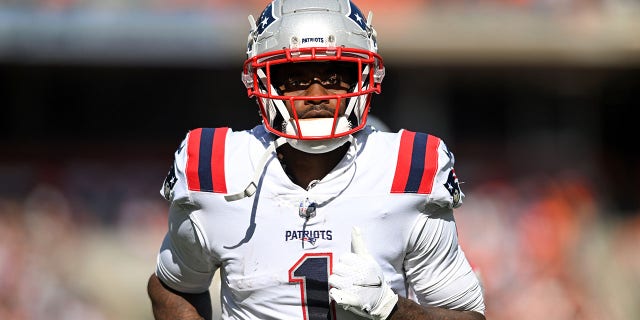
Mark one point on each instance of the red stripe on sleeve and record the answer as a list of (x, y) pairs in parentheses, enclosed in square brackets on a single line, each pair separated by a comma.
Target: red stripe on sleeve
[(193, 154), (404, 162), (430, 165), (217, 161)]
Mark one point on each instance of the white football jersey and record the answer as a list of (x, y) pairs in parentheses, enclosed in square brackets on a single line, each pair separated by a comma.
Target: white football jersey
[(276, 249)]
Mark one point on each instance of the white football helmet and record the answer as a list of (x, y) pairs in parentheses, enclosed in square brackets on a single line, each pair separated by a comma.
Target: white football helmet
[(295, 31)]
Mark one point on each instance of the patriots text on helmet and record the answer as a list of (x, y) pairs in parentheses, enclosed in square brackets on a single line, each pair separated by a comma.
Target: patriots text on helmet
[(316, 40)]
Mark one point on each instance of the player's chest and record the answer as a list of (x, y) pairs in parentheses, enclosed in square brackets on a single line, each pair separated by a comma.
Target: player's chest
[(283, 248), (274, 238)]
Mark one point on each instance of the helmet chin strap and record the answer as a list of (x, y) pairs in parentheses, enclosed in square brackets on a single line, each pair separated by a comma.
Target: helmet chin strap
[(317, 127)]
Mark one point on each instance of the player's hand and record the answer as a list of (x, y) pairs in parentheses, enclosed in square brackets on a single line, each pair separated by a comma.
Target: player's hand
[(358, 283)]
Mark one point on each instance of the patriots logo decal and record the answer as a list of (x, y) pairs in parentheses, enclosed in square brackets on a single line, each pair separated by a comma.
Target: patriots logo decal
[(266, 18), (357, 16), (453, 186), (169, 182)]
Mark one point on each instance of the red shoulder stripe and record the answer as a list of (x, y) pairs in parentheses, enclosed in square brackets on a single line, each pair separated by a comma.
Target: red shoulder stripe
[(430, 165), (205, 160), (404, 162), (193, 155)]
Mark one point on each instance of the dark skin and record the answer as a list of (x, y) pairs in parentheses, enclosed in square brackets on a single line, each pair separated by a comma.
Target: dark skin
[(168, 304), (302, 168)]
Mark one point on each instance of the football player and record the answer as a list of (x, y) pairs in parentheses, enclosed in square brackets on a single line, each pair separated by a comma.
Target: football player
[(313, 214)]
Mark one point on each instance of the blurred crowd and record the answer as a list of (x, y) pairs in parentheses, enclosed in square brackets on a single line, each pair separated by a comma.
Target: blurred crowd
[(78, 241), (546, 248)]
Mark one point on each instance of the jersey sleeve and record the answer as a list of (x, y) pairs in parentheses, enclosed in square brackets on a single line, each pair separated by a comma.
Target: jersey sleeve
[(436, 267), (424, 165), (184, 262), (446, 187)]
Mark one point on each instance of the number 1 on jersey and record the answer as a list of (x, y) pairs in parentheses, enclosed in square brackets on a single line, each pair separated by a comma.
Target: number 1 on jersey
[(312, 272)]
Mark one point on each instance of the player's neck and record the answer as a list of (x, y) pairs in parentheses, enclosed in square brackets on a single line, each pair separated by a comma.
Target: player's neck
[(303, 168)]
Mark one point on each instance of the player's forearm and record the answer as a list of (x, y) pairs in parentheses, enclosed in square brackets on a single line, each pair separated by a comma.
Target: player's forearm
[(407, 309), (169, 304)]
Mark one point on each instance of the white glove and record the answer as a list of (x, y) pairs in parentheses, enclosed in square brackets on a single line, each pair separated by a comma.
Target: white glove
[(358, 283)]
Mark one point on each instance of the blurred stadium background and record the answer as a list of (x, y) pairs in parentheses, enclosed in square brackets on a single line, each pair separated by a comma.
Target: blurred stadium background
[(535, 97)]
